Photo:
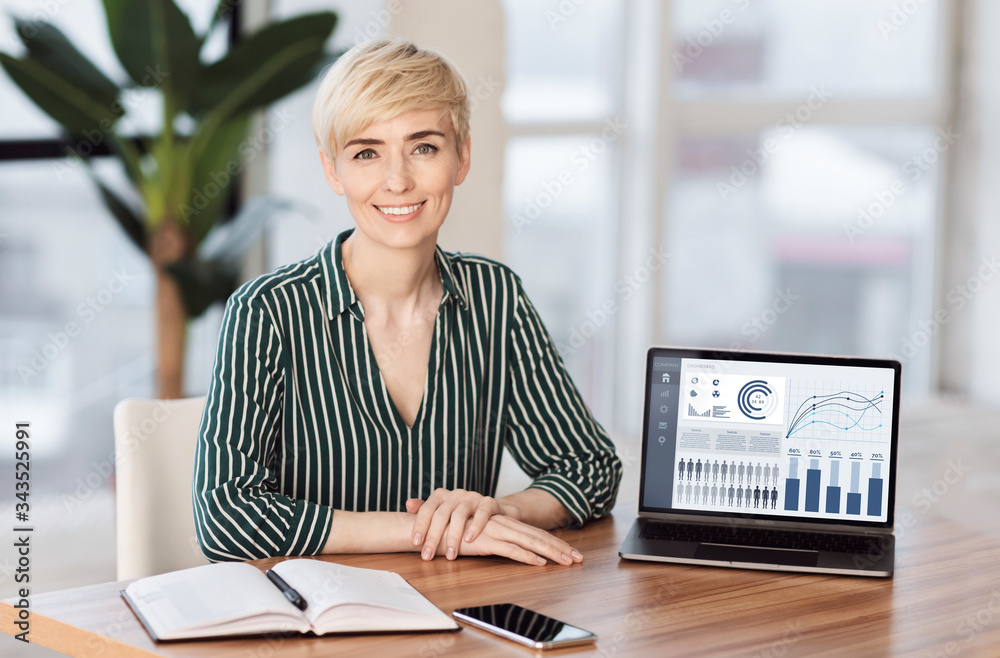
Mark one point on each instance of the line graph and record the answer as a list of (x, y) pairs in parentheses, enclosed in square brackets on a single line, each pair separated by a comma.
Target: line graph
[(844, 414)]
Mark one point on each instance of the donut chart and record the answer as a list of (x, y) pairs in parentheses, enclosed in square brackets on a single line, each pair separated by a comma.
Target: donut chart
[(756, 400)]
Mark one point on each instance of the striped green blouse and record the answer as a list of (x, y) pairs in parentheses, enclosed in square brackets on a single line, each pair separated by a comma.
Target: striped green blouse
[(298, 422)]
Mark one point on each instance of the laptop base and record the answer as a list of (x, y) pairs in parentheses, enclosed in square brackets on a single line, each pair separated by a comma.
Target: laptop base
[(877, 563)]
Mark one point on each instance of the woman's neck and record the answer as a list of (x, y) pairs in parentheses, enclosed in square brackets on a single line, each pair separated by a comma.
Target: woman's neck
[(389, 280)]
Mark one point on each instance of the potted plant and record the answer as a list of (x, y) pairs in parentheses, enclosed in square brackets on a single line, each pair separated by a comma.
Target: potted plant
[(183, 175)]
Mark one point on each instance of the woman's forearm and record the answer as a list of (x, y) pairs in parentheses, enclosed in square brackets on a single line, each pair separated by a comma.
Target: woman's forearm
[(369, 532), (391, 532), (535, 507)]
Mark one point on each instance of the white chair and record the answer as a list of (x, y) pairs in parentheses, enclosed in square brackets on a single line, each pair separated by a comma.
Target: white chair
[(154, 447)]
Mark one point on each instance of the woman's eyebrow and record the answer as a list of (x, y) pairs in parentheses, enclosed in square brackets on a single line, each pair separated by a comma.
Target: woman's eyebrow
[(366, 141), (425, 133)]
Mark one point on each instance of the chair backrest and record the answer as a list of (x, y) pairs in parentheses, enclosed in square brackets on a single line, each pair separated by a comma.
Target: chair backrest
[(154, 447)]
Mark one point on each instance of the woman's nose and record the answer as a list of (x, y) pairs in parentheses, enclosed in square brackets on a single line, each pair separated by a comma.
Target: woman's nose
[(398, 176)]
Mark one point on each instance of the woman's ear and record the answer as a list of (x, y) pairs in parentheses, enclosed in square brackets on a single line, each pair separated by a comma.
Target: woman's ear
[(465, 161), (330, 172)]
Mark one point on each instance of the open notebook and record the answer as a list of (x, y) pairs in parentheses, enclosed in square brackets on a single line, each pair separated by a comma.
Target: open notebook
[(238, 599)]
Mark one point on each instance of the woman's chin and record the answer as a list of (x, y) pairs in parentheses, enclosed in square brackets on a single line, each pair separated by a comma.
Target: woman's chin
[(403, 235)]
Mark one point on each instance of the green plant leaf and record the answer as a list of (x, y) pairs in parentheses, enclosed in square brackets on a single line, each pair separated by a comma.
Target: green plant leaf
[(50, 48), (212, 177), (59, 97), (202, 283), (134, 228), (275, 61), (223, 12), (155, 43)]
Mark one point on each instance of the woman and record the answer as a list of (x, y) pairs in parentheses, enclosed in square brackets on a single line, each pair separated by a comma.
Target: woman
[(361, 399)]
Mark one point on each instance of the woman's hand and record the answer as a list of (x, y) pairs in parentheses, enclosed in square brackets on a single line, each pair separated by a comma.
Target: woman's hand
[(448, 510), (460, 517), (508, 537)]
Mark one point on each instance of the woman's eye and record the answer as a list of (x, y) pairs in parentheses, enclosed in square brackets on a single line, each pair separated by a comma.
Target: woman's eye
[(367, 154), (425, 149)]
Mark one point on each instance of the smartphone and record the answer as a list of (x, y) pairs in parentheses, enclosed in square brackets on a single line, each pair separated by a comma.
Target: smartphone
[(525, 626)]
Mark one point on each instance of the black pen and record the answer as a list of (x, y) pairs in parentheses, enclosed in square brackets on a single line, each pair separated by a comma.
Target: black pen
[(287, 590)]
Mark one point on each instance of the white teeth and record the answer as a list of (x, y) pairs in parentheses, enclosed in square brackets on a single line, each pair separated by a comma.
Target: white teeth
[(403, 210)]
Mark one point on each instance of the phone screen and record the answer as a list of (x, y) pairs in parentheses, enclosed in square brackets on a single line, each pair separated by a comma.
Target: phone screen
[(523, 625)]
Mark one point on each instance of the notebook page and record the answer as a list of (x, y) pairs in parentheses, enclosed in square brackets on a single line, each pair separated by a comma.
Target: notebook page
[(211, 596), (326, 585)]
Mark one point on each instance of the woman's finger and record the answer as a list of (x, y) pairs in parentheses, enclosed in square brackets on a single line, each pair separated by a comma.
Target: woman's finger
[(425, 512), (456, 526), (439, 523), (479, 520), (510, 538), (536, 540)]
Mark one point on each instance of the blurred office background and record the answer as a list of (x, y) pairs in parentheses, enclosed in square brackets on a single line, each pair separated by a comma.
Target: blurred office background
[(800, 176)]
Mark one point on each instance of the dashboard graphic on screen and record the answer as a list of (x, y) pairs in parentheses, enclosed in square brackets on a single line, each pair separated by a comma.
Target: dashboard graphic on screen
[(787, 439)]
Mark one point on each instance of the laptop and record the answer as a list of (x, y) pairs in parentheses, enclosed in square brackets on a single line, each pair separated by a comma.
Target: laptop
[(768, 461)]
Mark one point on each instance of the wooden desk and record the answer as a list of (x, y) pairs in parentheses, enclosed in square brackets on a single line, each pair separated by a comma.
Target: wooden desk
[(943, 601)]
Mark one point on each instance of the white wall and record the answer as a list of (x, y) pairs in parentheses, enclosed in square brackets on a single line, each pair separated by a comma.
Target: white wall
[(471, 35), (984, 384), (970, 350)]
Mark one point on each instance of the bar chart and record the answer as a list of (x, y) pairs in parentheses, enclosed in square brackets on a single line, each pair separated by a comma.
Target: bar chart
[(823, 492)]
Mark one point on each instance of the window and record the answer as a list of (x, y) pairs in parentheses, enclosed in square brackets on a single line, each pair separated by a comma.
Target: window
[(563, 103), (775, 184), (805, 144)]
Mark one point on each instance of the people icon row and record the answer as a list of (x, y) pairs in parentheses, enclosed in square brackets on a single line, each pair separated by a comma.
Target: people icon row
[(693, 469), (703, 494)]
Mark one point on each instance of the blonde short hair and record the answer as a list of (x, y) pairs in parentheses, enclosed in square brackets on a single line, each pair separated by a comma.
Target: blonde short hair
[(379, 80)]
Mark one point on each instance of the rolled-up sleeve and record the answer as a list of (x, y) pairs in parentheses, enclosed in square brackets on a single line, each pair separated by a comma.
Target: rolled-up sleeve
[(239, 513), (550, 431)]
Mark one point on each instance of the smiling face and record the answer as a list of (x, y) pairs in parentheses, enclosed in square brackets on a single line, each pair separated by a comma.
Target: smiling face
[(398, 176)]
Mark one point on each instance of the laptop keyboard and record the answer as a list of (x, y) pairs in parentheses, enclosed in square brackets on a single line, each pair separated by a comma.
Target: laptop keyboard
[(760, 537)]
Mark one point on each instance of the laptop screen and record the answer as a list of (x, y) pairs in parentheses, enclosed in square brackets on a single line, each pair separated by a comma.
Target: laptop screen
[(770, 436)]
